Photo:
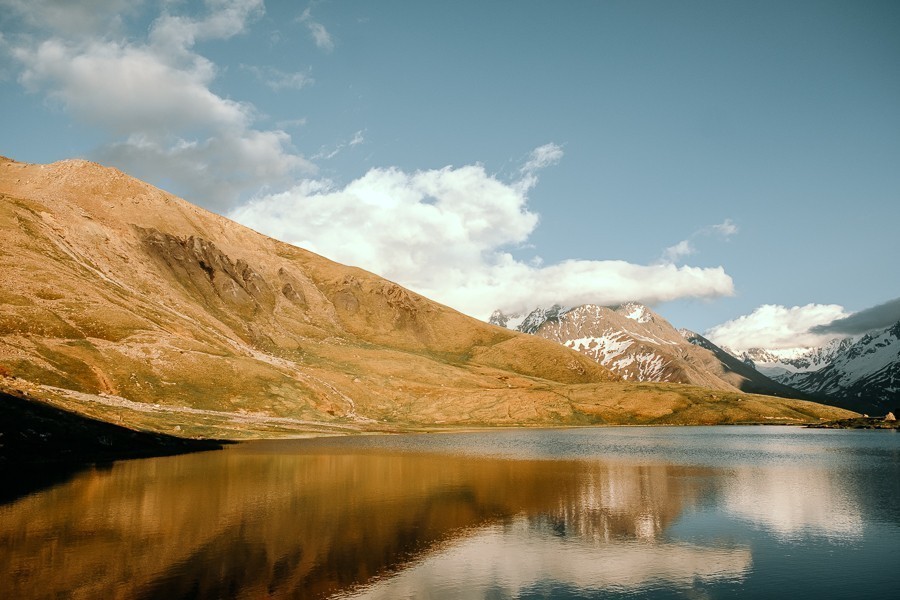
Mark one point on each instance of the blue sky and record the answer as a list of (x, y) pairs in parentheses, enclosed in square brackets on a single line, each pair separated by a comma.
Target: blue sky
[(727, 162)]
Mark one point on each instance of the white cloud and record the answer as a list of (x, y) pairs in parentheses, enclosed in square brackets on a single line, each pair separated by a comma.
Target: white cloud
[(726, 228), (358, 138), (675, 253), (69, 18), (777, 327), (446, 234), (128, 88), (318, 32), (225, 19), (326, 153), (687, 247), (156, 98), (540, 158)]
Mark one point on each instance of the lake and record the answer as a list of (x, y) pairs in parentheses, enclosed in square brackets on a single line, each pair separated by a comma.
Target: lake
[(649, 512)]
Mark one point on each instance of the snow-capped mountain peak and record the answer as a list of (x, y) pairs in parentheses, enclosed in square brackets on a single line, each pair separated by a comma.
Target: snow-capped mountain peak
[(862, 373), (637, 344)]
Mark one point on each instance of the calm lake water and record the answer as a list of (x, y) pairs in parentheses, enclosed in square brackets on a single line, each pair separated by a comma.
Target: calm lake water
[(714, 512)]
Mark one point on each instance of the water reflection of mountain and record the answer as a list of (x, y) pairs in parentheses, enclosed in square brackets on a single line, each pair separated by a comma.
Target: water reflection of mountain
[(309, 525)]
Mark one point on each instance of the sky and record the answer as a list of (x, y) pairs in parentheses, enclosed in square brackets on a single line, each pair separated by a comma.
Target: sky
[(735, 165)]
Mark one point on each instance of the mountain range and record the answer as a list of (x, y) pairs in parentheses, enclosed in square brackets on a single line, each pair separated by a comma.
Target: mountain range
[(861, 373), (634, 342), (637, 344), (126, 304)]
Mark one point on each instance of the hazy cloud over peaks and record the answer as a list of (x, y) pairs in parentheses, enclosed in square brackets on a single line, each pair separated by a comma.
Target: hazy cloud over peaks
[(776, 327), (881, 316)]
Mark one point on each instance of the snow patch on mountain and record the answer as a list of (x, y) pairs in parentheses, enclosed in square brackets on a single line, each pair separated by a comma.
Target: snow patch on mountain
[(650, 367), (635, 312), (602, 349)]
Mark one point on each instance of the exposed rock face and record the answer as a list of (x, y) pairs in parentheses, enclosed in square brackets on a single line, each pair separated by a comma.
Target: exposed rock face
[(123, 302), (197, 264)]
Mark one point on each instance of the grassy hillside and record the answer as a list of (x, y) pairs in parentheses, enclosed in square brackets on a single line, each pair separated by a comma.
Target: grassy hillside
[(127, 304)]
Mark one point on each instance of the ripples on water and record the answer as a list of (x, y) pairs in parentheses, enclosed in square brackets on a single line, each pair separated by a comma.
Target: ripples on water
[(583, 513)]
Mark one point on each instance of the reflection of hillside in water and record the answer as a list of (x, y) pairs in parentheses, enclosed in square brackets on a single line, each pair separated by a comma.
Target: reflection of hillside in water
[(258, 523), (615, 501)]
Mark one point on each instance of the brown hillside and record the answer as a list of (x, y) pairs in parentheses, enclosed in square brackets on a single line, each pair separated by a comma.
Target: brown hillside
[(126, 303)]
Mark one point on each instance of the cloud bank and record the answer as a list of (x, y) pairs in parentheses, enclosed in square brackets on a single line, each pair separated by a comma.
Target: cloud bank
[(776, 327), (877, 317), (449, 234)]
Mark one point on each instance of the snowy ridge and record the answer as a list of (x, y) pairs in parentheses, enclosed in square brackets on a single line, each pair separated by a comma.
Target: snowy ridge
[(794, 360), (528, 323), (862, 373), (637, 344)]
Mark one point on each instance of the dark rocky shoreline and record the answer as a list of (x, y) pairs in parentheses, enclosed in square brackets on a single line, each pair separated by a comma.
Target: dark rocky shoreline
[(34, 432), (860, 423)]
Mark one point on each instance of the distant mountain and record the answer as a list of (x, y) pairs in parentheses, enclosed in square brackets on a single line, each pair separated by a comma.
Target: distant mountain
[(862, 374), (637, 344), (781, 362), (123, 303)]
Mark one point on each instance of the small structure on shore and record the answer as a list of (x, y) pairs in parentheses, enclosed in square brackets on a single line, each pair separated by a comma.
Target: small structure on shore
[(890, 417)]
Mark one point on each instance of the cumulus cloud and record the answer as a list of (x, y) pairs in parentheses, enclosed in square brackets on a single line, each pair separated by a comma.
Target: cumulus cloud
[(687, 247), (318, 32), (448, 234), (777, 327), (878, 317), (156, 98), (129, 88)]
